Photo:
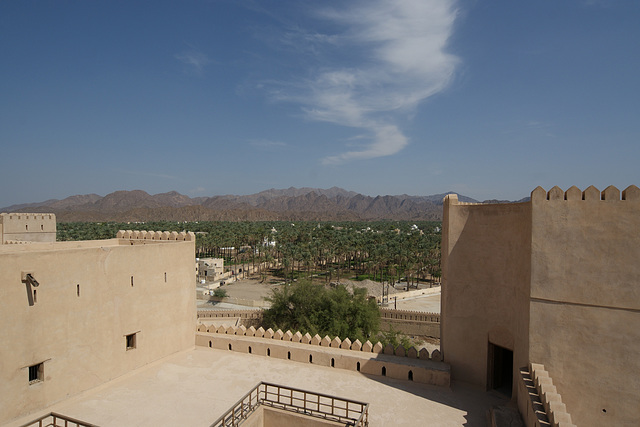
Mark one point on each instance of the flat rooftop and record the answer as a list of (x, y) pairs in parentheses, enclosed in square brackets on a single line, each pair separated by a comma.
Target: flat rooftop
[(195, 387)]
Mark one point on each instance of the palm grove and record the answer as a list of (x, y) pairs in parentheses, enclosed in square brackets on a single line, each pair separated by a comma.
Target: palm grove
[(309, 255)]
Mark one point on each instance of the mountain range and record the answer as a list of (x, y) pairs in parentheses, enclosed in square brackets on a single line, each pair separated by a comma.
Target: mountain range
[(292, 204)]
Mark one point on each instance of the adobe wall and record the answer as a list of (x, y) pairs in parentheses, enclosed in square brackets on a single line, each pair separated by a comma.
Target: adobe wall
[(27, 227), (410, 322), (91, 295), (485, 285), (585, 300), (366, 358)]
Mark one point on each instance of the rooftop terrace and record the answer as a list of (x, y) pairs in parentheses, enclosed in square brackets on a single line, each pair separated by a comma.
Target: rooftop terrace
[(195, 387)]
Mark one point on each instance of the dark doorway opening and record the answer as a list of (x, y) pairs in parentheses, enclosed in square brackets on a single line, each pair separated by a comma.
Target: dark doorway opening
[(500, 369)]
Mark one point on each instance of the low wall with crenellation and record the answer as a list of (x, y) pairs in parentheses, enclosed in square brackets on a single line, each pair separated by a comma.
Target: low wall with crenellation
[(368, 358)]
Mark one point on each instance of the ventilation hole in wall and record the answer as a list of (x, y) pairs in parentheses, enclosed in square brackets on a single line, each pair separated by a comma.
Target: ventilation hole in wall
[(249, 349), (130, 341), (131, 281), (289, 355), (310, 359), (165, 277), (268, 352), (229, 346), (210, 344), (35, 296), (358, 367), (384, 371), (410, 375), (333, 362), (36, 373), (604, 411), (78, 290)]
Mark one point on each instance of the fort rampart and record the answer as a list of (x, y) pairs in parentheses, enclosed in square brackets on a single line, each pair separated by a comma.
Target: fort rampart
[(554, 281), (414, 323), (27, 227), (368, 358)]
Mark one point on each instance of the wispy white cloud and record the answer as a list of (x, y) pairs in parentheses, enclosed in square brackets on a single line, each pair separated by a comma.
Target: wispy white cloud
[(266, 144), (388, 56), (194, 59)]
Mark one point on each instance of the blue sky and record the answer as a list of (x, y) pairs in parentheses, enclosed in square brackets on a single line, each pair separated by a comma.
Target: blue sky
[(486, 98)]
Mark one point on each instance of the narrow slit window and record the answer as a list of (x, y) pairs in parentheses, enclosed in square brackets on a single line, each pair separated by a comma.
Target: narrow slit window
[(78, 290), (131, 341), (268, 352), (358, 367), (384, 371), (165, 277), (36, 373), (132, 281), (35, 296), (333, 362), (289, 355)]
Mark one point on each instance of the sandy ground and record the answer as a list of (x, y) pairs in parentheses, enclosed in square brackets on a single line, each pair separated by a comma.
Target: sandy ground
[(252, 289)]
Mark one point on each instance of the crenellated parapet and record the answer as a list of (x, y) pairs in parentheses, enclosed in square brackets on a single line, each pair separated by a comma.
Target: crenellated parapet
[(366, 358), (416, 316), (591, 193), (326, 341), (136, 235)]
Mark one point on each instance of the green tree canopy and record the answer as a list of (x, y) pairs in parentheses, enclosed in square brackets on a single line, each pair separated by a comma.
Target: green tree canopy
[(315, 309)]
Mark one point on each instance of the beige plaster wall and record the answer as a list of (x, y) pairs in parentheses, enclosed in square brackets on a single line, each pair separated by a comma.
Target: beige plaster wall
[(85, 306), (27, 227), (485, 266), (422, 371), (585, 301)]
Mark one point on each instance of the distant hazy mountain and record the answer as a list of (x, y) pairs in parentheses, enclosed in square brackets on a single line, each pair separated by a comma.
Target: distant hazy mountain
[(286, 204)]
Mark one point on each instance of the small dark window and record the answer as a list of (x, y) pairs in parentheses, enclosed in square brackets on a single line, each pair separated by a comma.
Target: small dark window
[(35, 296), (310, 359), (384, 371), (229, 346), (165, 277), (26, 227), (42, 227), (78, 290), (209, 344), (333, 362), (36, 373), (358, 367), (289, 355), (410, 375), (131, 281), (249, 349), (131, 341), (268, 352)]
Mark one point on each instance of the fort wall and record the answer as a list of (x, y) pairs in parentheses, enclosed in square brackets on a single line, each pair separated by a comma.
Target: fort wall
[(486, 270), (585, 299), (367, 358), (555, 281), (406, 321), (92, 316), (27, 227)]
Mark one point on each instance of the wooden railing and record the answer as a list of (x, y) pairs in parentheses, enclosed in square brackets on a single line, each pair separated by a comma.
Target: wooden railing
[(349, 412), (53, 419)]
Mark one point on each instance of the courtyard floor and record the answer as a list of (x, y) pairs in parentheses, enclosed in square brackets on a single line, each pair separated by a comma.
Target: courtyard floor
[(195, 387)]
